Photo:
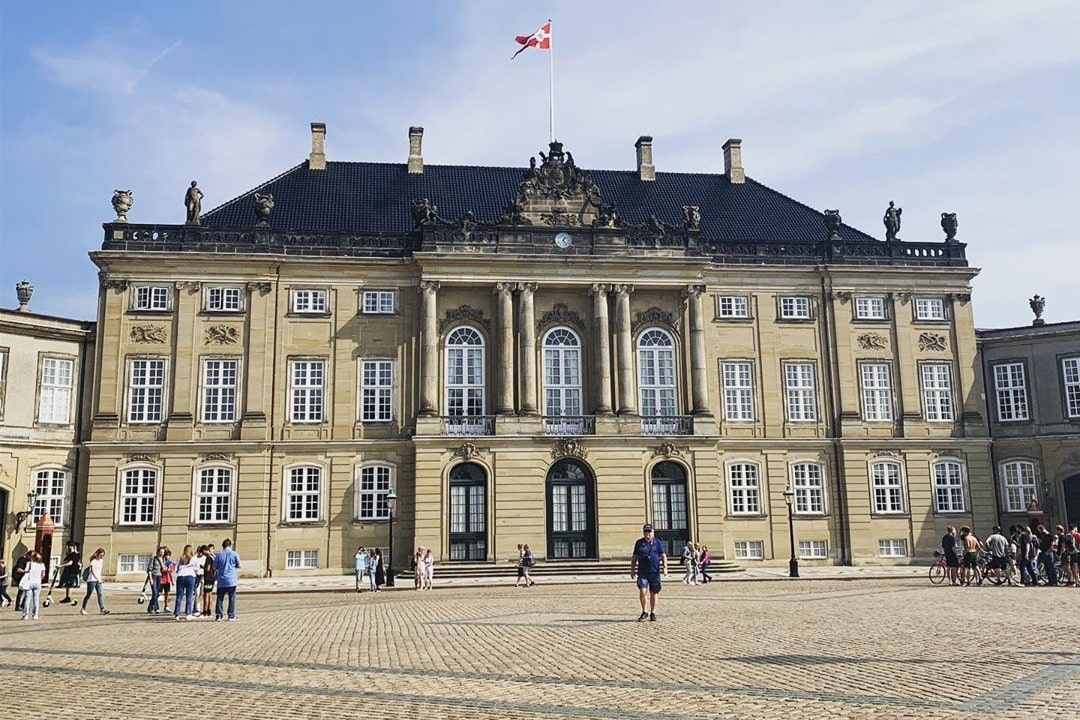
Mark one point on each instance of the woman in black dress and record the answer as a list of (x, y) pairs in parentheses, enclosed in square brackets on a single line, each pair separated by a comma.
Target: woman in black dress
[(380, 571)]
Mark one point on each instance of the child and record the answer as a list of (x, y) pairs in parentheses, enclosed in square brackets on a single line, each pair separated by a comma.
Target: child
[(166, 578), (209, 576)]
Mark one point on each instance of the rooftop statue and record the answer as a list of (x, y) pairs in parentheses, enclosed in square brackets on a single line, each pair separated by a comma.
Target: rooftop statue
[(832, 223), (949, 225), (892, 222), (122, 200), (264, 205), (193, 202)]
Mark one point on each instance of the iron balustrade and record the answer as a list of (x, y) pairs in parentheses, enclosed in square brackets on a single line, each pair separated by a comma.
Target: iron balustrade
[(469, 425), (569, 425), (667, 425)]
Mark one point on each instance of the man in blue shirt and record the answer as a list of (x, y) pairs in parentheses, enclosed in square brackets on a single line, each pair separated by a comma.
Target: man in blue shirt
[(647, 564), (226, 563)]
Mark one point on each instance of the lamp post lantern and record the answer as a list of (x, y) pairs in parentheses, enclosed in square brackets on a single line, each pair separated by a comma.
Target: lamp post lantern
[(391, 502), (23, 515), (793, 564)]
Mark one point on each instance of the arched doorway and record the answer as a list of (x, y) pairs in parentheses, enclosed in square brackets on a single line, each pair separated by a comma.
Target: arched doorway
[(1072, 499), (571, 506), (468, 513), (670, 513)]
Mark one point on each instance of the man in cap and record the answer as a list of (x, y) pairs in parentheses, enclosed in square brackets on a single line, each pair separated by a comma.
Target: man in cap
[(647, 564), (69, 572)]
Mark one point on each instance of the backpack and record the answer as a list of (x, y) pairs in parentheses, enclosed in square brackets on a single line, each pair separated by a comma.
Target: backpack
[(86, 574)]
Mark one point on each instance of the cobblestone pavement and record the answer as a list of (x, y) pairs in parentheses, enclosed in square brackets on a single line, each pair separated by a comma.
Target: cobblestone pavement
[(826, 649)]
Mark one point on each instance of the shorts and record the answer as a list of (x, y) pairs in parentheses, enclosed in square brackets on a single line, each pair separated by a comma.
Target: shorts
[(951, 560), (68, 580), (998, 563), (649, 581), (970, 560), (1075, 560), (208, 587), (166, 587)]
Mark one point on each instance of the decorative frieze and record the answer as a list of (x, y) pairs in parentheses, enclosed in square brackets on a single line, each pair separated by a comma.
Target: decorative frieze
[(153, 334), (655, 316), (872, 341), (222, 335), (568, 447), (142, 457), (668, 450), (216, 457), (932, 342), (261, 287), (560, 314), (467, 451), (192, 286), (464, 313)]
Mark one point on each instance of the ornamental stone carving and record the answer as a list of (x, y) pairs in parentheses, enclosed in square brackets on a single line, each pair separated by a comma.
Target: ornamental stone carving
[(560, 314), (142, 458), (192, 286), (222, 335), (667, 450), (872, 341), (424, 212), (108, 283), (429, 287), (607, 217), (832, 223), (467, 451), (891, 221), (1073, 459), (216, 457), (560, 218), (261, 287), (568, 447), (933, 342), (885, 454), (154, 334), (122, 200), (557, 178), (464, 313), (655, 316), (264, 206), (691, 217), (949, 225)]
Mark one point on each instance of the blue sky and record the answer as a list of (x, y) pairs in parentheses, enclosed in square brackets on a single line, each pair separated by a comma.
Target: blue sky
[(971, 108)]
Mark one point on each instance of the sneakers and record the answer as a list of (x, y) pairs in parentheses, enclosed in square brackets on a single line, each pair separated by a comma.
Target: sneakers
[(196, 615), (176, 617), (642, 616), (104, 612), (188, 617), (82, 612)]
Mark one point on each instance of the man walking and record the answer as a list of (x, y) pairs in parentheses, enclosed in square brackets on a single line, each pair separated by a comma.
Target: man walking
[(647, 564), (226, 563), (70, 571)]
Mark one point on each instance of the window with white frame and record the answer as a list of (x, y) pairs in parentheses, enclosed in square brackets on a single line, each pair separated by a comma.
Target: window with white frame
[(146, 391), (307, 380), (937, 391), (54, 402), (800, 389), (738, 391), (949, 486), (929, 309), (876, 391), (224, 299), (813, 549), (373, 484), (745, 489), (1070, 377), (562, 373), (733, 306), (219, 390), (130, 563), (795, 307), (138, 496), (213, 495), (376, 391), (302, 559), (893, 548), (465, 373), (808, 482), (303, 494), (749, 550), (869, 308), (378, 302), (1020, 488), (151, 297), (656, 374), (887, 482), (309, 301), (51, 486), (1010, 389)]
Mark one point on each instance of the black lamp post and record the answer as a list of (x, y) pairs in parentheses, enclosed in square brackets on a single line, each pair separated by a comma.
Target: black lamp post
[(23, 515), (391, 501), (793, 564)]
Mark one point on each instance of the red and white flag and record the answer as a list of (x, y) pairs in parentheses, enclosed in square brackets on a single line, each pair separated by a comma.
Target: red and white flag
[(541, 40)]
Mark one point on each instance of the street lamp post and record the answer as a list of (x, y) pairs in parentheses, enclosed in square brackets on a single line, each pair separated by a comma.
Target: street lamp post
[(23, 515), (391, 501), (793, 564)]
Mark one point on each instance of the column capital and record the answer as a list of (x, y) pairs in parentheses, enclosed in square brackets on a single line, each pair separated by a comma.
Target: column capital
[(504, 288), (429, 286), (599, 289), (528, 287), (693, 291), (623, 289)]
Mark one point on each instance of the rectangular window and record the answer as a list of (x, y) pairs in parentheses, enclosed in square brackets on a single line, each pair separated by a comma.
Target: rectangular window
[(224, 299), (309, 301), (1011, 390), (1020, 488), (1070, 376), (948, 487), (54, 403), (733, 306), (3, 378), (813, 549), (378, 302), (307, 379), (51, 489), (749, 550), (128, 563), (302, 559), (937, 391), (929, 309), (146, 392), (738, 391), (869, 308), (888, 486), (376, 390), (372, 502), (808, 482), (214, 495), (219, 390), (795, 308), (138, 497), (745, 490), (302, 497), (801, 391), (151, 297), (876, 391), (892, 548)]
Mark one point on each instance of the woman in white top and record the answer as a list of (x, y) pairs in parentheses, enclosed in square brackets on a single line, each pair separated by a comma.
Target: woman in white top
[(30, 583), (429, 569), (92, 577), (187, 573)]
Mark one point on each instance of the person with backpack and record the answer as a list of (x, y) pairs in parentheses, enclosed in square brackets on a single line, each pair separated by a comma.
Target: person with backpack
[(154, 570), (92, 579)]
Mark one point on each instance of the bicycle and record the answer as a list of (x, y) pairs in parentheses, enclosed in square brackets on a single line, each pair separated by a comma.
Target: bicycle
[(939, 571), (996, 575)]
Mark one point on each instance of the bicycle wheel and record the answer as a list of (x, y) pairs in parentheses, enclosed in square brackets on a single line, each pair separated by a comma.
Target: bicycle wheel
[(996, 576), (937, 574)]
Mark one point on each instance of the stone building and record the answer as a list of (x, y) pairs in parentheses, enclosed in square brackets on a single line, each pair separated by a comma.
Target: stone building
[(538, 354)]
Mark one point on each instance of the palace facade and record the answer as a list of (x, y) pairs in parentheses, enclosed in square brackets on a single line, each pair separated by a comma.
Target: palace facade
[(473, 357)]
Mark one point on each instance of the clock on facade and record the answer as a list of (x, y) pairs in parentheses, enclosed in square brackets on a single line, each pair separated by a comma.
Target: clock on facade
[(563, 240)]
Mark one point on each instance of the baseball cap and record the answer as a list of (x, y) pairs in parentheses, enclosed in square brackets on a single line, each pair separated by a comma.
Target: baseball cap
[(646, 527)]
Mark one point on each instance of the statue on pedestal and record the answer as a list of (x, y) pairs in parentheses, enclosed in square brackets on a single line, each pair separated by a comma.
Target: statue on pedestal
[(193, 202), (892, 222), (122, 200)]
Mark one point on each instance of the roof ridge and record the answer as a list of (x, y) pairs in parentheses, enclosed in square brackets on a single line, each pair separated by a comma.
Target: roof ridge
[(244, 194), (811, 209)]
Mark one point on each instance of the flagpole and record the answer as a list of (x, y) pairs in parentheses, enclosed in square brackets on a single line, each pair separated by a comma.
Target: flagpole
[(551, 82)]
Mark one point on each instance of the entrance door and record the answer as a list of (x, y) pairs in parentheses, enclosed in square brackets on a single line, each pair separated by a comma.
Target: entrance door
[(571, 503), (1072, 499), (468, 513), (669, 509)]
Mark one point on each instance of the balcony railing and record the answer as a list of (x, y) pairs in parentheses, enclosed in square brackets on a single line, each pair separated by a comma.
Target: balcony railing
[(469, 425), (667, 425), (569, 425)]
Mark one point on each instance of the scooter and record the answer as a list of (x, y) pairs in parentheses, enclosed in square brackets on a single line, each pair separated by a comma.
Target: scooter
[(142, 593), (48, 596)]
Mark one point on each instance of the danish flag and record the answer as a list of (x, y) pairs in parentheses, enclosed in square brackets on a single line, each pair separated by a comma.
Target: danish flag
[(541, 40)]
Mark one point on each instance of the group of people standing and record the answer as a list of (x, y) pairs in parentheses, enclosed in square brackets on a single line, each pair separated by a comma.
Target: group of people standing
[(1018, 555), (423, 566), (195, 575), (696, 560), (30, 573), (369, 567)]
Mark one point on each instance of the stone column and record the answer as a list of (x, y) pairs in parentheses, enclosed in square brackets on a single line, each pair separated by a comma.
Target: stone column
[(505, 309), (624, 343), (429, 350), (698, 369), (528, 348), (602, 342)]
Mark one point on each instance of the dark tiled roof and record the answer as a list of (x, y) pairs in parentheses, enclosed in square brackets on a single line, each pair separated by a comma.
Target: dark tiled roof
[(367, 197)]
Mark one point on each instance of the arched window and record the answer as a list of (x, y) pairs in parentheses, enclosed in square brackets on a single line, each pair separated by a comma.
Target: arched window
[(464, 373), (468, 512), (948, 486), (656, 374), (562, 373)]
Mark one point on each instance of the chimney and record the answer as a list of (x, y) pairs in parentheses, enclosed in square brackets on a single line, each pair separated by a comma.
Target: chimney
[(733, 162), (317, 161), (416, 157), (645, 168)]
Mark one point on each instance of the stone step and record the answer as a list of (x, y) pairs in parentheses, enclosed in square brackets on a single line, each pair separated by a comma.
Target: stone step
[(557, 568)]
